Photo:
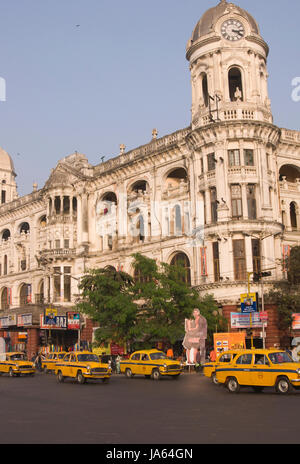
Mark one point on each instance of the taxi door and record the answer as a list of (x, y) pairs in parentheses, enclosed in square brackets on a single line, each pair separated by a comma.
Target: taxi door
[(66, 365), (144, 368), (243, 366), (72, 368), (261, 374)]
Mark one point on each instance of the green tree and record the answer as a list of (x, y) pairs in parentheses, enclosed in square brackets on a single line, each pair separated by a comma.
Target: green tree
[(167, 300), (286, 294), (107, 298), (151, 308)]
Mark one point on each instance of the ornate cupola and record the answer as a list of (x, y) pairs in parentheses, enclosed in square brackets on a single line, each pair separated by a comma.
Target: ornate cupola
[(228, 63)]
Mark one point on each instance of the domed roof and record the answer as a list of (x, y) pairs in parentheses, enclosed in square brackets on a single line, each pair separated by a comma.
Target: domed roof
[(5, 161), (211, 16)]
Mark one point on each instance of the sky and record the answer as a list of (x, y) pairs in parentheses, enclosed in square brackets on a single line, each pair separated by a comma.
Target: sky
[(89, 75)]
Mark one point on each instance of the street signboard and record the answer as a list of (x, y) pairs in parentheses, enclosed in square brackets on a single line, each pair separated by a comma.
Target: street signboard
[(243, 321), (296, 321), (249, 302), (24, 320)]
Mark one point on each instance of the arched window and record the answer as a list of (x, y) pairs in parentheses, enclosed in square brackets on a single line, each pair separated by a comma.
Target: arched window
[(205, 90), (293, 214), (25, 294), (5, 234), (5, 299), (181, 259), (290, 173), (43, 222), (235, 85), (24, 228), (140, 186)]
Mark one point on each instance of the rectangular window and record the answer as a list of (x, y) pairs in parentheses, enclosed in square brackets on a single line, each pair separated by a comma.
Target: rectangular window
[(213, 205), (66, 243), (3, 197), (211, 163), (249, 157), (234, 158), (256, 256), (67, 283), (56, 284), (57, 243), (236, 201), (216, 259), (251, 201), (239, 260)]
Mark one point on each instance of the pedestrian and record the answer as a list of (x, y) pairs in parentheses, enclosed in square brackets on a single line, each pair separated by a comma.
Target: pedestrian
[(33, 358), (212, 355), (38, 362), (170, 353)]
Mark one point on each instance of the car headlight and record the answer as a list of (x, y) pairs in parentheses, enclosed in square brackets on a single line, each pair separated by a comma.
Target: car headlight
[(88, 368), (16, 366), (298, 371)]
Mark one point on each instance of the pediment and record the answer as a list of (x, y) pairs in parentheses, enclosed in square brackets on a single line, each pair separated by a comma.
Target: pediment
[(63, 176)]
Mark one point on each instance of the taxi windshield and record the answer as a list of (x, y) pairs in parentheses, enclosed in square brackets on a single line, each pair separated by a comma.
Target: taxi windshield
[(155, 356), (18, 357), (88, 357), (280, 358)]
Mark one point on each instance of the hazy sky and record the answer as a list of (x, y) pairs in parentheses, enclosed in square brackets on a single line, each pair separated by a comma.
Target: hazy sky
[(118, 75)]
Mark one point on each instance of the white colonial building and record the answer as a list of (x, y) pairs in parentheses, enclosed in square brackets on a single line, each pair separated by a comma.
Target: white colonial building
[(221, 196)]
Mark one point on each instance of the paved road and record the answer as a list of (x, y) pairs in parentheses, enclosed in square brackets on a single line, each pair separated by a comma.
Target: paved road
[(140, 411)]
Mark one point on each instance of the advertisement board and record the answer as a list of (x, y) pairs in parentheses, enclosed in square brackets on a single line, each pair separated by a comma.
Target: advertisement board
[(60, 323), (243, 321), (296, 321), (249, 302), (50, 316), (73, 320), (229, 341), (8, 321)]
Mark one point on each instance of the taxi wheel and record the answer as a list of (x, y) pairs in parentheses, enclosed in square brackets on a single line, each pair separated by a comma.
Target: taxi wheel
[(283, 386), (128, 373), (155, 374), (60, 377), (11, 372), (233, 385), (214, 379), (80, 378)]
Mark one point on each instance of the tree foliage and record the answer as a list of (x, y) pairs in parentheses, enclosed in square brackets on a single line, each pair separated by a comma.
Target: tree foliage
[(286, 294), (145, 310)]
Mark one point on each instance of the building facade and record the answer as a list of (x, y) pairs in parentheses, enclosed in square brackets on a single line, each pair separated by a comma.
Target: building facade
[(221, 196)]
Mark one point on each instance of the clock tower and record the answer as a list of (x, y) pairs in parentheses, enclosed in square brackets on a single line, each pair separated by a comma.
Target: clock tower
[(228, 63)]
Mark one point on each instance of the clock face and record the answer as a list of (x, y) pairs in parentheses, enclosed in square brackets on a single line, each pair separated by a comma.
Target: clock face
[(233, 30)]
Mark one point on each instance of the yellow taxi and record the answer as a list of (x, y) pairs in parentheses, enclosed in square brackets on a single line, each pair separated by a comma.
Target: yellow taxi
[(16, 364), (260, 368), (48, 364), (150, 363), (82, 365), (209, 368)]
